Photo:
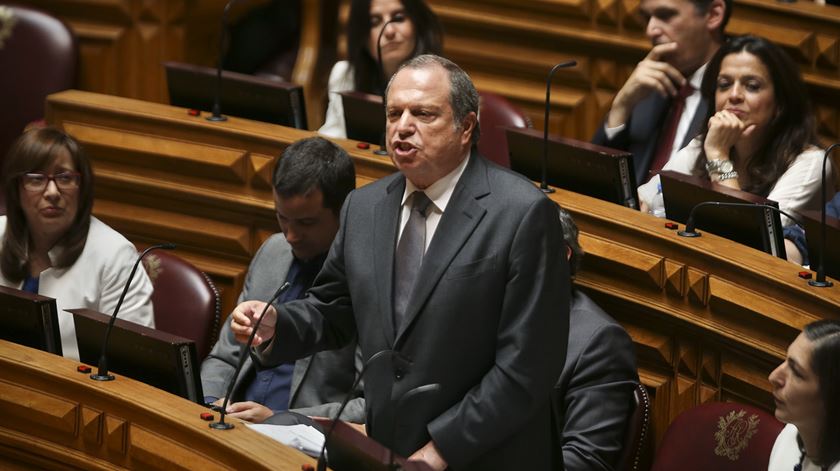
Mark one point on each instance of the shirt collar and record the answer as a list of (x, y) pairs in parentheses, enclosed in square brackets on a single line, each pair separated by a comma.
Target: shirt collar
[(697, 77), (440, 191)]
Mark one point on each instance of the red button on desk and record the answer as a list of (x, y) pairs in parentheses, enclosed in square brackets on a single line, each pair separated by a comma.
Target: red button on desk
[(83, 369), (206, 416), (363, 145), (805, 275), (672, 225), (194, 113)]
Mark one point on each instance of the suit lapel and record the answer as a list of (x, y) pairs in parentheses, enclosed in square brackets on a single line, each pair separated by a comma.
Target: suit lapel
[(300, 371), (460, 219), (385, 224)]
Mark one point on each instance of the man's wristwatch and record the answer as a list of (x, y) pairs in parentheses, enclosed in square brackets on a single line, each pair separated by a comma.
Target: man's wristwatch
[(720, 166), (728, 176)]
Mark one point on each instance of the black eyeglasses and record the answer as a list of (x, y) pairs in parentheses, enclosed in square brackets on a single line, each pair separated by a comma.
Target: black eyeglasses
[(38, 181)]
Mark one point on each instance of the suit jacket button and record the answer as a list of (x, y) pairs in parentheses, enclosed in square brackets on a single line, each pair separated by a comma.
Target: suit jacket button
[(399, 373)]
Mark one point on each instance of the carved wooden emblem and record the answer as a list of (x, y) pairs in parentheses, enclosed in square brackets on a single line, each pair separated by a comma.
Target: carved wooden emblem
[(7, 24), (734, 433)]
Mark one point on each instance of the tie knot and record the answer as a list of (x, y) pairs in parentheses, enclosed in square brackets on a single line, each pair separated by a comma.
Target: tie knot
[(685, 91), (421, 202)]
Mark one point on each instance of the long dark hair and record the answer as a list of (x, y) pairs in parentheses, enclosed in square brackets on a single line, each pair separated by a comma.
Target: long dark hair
[(428, 40), (33, 151), (791, 131), (825, 363)]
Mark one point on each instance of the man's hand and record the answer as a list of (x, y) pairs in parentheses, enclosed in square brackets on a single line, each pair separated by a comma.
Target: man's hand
[(249, 411), (429, 454), (725, 129), (245, 315), (652, 74)]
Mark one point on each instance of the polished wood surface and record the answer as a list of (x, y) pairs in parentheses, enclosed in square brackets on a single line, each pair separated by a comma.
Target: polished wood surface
[(710, 318), (57, 418)]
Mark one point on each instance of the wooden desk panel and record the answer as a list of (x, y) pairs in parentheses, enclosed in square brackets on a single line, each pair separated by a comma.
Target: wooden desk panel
[(56, 418), (710, 318)]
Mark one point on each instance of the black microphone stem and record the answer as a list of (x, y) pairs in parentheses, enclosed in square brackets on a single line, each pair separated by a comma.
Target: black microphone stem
[(217, 98), (322, 462), (243, 353), (544, 182), (398, 18), (821, 282), (102, 370), (689, 223)]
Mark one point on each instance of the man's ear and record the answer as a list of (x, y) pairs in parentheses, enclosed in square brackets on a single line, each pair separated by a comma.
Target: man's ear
[(715, 14), (467, 127)]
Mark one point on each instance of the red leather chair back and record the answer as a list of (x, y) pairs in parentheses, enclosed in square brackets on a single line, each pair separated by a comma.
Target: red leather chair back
[(635, 455), (38, 55), (186, 302), (496, 113), (722, 436)]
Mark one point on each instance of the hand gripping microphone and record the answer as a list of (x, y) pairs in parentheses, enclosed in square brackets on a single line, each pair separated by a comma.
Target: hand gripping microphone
[(243, 353), (102, 372)]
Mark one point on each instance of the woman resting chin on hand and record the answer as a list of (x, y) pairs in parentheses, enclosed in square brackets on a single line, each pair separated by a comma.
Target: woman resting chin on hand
[(760, 136)]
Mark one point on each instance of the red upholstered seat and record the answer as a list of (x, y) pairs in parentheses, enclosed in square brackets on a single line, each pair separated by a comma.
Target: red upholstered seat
[(186, 301), (721, 436), (635, 455), (496, 113), (38, 56)]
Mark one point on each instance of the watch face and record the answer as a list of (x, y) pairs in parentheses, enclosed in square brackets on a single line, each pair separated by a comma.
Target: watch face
[(726, 166)]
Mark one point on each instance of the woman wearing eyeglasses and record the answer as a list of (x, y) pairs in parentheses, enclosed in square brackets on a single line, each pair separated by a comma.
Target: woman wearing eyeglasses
[(50, 244)]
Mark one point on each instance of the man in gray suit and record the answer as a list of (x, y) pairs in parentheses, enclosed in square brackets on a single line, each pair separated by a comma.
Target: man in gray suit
[(311, 181), (463, 345), (594, 395)]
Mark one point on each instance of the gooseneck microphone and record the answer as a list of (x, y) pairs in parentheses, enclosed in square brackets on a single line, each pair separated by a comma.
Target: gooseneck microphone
[(563, 65), (689, 223), (322, 457), (383, 81), (243, 353), (102, 371), (217, 95), (410, 394), (820, 281)]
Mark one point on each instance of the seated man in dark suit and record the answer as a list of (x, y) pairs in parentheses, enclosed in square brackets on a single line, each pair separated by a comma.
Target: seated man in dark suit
[(660, 109), (594, 395), (311, 181)]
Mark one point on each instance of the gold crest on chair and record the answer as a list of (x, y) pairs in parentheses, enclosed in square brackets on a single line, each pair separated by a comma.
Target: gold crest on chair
[(734, 433)]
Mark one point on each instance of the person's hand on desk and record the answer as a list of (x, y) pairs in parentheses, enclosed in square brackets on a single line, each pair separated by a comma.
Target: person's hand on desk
[(429, 455), (248, 411), (245, 316)]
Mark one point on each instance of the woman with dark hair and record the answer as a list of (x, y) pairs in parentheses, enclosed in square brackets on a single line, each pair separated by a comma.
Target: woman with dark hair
[(806, 389), (760, 136), (418, 33), (50, 244)]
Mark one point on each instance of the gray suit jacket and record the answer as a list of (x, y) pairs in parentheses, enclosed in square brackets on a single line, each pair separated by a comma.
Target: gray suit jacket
[(319, 382), (641, 132), (481, 322), (595, 389)]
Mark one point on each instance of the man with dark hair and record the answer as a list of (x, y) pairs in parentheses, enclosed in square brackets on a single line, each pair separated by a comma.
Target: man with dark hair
[(311, 181), (593, 397), (452, 275), (659, 110)]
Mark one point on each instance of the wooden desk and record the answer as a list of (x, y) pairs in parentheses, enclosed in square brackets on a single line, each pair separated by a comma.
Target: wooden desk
[(56, 418), (710, 318)]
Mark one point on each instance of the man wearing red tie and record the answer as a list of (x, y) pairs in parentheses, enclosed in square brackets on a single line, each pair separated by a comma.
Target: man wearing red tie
[(659, 109)]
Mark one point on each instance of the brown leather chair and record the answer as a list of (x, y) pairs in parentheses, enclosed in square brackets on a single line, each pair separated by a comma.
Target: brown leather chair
[(635, 455), (496, 113), (186, 301), (38, 56), (720, 435)]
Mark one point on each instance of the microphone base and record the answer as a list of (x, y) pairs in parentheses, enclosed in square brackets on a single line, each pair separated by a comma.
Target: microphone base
[(215, 118), (380, 152), (221, 425), (820, 284), (688, 234), (99, 377)]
